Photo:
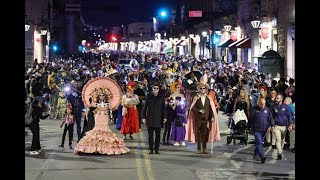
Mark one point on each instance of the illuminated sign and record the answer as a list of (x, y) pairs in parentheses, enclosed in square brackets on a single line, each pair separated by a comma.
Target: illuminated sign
[(195, 13)]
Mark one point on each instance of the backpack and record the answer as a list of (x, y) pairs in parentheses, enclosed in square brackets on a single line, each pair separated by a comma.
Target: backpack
[(28, 116)]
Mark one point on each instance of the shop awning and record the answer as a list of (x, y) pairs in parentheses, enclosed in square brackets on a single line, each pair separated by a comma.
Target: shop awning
[(233, 45), (226, 43), (245, 43)]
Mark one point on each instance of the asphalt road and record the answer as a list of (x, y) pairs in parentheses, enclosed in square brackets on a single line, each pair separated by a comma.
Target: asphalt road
[(178, 163)]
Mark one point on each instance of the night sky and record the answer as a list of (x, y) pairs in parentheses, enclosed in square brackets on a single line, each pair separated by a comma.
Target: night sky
[(108, 13)]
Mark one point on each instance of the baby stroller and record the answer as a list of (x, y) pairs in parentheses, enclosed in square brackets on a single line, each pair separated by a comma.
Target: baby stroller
[(238, 130)]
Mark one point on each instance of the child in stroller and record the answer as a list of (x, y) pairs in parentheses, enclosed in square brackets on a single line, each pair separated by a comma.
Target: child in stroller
[(238, 131)]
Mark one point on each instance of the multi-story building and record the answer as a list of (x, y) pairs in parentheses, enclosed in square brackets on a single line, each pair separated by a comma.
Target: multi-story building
[(39, 18), (140, 31), (61, 21)]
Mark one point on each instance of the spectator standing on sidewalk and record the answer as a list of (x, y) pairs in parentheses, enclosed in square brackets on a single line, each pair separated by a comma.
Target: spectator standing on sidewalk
[(54, 92), (34, 126), (283, 122), (260, 123)]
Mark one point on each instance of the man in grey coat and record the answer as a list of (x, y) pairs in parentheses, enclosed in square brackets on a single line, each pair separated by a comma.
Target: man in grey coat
[(153, 115)]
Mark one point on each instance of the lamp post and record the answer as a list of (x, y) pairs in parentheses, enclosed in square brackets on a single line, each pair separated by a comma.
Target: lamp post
[(26, 26), (227, 28), (204, 34), (190, 43), (254, 40)]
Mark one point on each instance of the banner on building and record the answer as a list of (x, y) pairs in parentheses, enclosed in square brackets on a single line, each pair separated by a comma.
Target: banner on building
[(265, 32)]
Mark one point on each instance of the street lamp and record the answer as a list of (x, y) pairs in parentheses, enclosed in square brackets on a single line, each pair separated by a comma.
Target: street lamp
[(163, 14), (255, 23), (204, 34), (190, 43), (26, 26), (43, 31), (227, 28)]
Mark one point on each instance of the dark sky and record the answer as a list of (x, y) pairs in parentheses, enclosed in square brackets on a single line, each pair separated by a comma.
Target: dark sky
[(108, 13)]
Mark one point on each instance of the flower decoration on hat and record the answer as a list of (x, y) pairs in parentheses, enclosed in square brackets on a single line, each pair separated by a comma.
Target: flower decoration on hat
[(101, 90)]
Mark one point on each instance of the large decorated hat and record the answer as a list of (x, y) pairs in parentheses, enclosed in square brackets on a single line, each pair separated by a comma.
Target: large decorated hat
[(102, 85)]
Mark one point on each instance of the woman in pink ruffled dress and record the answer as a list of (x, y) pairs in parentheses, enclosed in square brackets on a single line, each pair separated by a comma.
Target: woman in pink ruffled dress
[(101, 140)]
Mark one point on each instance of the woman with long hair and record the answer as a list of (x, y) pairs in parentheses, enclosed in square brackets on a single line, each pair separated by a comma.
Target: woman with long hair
[(242, 102)]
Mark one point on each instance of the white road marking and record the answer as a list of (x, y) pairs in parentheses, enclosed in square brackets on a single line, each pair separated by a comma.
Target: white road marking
[(238, 150), (235, 164), (273, 156)]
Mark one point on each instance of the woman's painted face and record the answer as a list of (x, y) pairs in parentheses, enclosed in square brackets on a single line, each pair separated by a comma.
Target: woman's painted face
[(102, 96), (155, 89)]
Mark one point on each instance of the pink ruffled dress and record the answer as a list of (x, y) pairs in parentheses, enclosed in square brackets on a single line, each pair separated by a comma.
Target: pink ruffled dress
[(101, 140)]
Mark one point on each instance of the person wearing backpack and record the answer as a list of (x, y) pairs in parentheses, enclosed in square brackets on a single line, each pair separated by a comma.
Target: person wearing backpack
[(34, 126)]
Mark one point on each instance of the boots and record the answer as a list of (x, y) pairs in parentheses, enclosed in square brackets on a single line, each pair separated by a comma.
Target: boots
[(204, 151), (198, 151)]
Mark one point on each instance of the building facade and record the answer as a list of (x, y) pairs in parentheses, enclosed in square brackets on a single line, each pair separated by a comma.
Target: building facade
[(140, 31)]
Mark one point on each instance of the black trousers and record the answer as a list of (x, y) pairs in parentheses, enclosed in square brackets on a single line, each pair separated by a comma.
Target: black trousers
[(115, 116), (34, 127), (68, 128), (202, 134), (139, 107), (166, 133), (151, 140)]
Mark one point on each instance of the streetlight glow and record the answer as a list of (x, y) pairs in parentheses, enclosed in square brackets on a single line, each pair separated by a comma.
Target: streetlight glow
[(163, 14)]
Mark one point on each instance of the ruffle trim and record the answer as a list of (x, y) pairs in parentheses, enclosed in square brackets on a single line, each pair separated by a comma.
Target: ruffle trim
[(102, 142), (101, 150)]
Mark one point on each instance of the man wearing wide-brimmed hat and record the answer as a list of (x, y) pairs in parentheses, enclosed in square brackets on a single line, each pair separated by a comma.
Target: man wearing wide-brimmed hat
[(202, 123)]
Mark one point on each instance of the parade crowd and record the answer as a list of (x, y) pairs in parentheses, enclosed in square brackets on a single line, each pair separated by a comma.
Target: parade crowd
[(181, 95)]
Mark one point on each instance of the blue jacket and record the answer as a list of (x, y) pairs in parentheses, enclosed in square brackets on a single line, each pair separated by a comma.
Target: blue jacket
[(75, 99), (260, 119), (282, 115)]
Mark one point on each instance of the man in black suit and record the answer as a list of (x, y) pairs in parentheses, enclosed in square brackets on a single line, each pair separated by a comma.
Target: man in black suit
[(153, 115)]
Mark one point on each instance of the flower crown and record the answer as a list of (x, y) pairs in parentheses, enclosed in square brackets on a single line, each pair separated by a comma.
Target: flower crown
[(130, 88), (101, 90)]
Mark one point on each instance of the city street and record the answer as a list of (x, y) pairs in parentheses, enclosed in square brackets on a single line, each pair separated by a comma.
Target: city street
[(179, 163)]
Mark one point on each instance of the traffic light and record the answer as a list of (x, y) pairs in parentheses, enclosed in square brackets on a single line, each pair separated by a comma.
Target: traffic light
[(55, 47), (163, 13)]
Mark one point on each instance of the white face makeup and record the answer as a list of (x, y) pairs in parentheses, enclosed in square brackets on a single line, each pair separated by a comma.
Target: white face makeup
[(203, 90), (155, 89), (101, 96)]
